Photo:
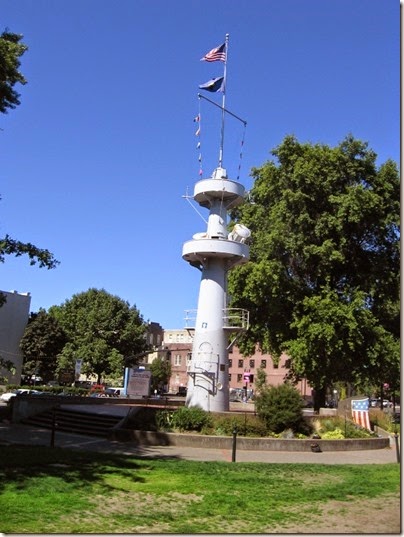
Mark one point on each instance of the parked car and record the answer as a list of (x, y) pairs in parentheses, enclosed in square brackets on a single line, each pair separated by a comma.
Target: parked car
[(113, 392), (377, 403), (6, 397)]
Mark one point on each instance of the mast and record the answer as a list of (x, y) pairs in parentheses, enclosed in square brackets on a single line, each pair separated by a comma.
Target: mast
[(223, 103), (215, 252)]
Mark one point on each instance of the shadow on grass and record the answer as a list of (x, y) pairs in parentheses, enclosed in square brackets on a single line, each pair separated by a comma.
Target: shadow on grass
[(19, 464)]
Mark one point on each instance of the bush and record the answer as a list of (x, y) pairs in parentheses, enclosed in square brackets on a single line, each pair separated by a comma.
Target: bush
[(164, 420), (336, 434), (383, 419), (246, 425), (280, 407), (191, 419)]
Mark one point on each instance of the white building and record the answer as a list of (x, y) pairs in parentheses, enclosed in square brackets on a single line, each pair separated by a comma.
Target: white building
[(14, 314)]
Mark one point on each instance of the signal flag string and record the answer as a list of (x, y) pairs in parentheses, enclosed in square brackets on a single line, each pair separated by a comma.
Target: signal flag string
[(241, 152), (197, 120)]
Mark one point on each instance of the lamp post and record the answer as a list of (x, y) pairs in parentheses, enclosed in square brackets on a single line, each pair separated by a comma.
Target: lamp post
[(335, 392)]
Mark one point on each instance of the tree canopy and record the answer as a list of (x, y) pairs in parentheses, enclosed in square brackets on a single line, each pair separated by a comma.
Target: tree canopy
[(323, 280), (11, 49), (43, 340), (102, 330), (161, 372)]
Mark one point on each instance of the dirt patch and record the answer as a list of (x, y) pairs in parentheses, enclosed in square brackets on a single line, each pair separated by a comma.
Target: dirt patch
[(376, 515)]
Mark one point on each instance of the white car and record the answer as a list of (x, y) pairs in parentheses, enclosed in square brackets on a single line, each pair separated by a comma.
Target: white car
[(9, 395)]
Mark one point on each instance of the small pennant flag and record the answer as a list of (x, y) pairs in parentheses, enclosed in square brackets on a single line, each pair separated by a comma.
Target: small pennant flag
[(216, 54), (215, 84), (198, 132), (197, 118)]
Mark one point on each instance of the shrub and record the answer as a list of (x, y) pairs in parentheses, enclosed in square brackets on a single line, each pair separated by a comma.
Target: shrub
[(164, 419), (336, 434), (191, 419), (383, 419), (246, 425), (280, 407)]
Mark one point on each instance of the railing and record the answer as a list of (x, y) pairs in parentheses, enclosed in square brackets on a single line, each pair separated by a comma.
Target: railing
[(190, 319), (236, 319), (233, 319)]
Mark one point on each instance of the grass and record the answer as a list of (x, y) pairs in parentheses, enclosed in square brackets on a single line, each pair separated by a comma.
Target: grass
[(45, 490)]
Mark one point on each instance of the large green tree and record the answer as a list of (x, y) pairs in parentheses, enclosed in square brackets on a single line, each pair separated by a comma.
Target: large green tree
[(102, 330), (323, 280), (43, 340)]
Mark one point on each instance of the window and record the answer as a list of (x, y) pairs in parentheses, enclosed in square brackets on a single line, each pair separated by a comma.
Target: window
[(252, 363), (276, 365), (241, 363), (230, 362), (287, 363), (239, 378), (229, 377), (263, 364), (177, 359)]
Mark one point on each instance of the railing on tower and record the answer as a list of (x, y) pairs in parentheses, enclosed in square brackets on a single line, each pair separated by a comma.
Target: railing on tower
[(233, 319)]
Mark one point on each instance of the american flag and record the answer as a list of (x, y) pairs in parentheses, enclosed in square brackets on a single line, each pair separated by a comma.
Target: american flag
[(360, 412), (216, 54)]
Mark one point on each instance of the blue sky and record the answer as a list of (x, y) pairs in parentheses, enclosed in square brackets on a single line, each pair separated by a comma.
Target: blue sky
[(97, 158)]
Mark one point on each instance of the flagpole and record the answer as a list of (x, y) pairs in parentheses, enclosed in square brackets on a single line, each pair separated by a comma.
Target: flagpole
[(223, 103)]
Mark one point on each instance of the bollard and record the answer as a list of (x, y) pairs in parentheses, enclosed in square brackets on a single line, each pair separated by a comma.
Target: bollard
[(397, 447), (233, 454), (54, 424)]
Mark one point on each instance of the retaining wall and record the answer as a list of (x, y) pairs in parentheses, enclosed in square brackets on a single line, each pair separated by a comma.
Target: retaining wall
[(149, 438)]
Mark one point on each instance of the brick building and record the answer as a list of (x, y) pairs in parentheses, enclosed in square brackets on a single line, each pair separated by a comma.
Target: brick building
[(179, 343)]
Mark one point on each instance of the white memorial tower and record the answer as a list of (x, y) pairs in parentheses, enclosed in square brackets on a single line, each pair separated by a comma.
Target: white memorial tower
[(214, 253)]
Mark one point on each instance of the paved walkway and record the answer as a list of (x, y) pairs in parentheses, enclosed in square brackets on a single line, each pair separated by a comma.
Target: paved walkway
[(24, 434)]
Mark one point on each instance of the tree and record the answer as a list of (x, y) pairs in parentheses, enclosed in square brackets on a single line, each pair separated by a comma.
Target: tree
[(323, 280), (102, 330), (10, 52), (161, 372), (41, 343)]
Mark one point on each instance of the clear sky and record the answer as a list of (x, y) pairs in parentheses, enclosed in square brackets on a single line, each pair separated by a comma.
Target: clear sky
[(97, 158)]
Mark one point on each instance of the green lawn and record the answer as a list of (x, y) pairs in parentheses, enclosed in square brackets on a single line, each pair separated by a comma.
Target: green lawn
[(45, 490)]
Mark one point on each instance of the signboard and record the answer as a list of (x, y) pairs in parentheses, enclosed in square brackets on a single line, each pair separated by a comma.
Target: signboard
[(247, 377), (138, 382)]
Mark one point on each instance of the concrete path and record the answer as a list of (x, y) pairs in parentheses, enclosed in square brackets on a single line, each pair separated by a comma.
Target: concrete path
[(24, 434)]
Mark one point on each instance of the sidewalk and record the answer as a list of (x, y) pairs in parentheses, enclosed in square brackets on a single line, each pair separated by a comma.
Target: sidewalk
[(24, 434)]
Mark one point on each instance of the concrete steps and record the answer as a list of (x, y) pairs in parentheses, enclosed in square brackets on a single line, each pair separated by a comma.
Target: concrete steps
[(74, 421)]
